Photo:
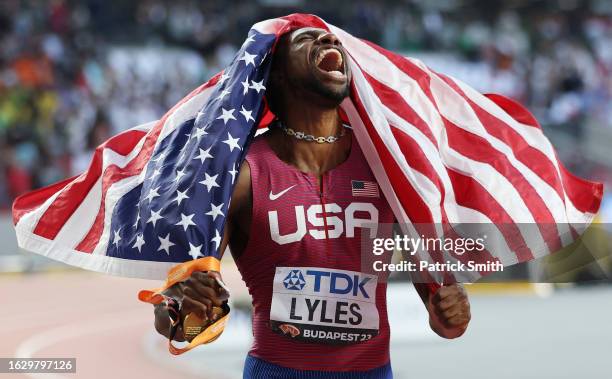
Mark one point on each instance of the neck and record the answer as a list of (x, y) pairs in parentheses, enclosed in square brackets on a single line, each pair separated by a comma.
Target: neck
[(313, 120), (313, 157)]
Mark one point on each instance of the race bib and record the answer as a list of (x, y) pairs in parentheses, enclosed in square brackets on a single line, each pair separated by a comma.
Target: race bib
[(313, 304)]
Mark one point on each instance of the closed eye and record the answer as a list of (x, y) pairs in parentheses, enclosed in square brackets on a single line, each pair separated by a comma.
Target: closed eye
[(304, 37)]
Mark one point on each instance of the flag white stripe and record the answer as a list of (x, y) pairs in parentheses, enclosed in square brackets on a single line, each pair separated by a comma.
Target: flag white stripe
[(101, 263), (465, 118), (186, 111), (498, 247), (430, 150), (395, 78), (419, 182)]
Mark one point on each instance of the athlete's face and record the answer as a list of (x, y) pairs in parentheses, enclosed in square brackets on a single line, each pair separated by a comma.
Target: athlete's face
[(315, 60)]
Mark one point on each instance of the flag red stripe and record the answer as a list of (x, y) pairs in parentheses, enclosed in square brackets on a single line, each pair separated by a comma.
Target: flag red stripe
[(537, 161), (479, 149), (66, 203), (415, 156), (585, 195), (514, 109), (471, 194), (34, 199), (396, 103), (417, 159), (423, 80), (112, 174)]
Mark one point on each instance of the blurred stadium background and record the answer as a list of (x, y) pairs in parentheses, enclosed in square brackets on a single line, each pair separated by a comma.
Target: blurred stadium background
[(73, 73)]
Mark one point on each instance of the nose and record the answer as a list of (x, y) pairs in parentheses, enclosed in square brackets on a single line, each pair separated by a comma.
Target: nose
[(328, 39)]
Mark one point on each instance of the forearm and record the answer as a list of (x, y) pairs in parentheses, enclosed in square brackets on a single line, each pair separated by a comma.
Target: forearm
[(425, 290)]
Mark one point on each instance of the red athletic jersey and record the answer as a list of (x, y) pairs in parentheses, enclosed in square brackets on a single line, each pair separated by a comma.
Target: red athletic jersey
[(311, 261)]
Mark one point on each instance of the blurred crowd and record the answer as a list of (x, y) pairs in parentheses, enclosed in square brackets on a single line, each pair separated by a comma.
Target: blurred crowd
[(72, 73)]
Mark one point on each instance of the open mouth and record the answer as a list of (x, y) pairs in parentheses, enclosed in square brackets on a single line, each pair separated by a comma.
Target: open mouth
[(330, 61)]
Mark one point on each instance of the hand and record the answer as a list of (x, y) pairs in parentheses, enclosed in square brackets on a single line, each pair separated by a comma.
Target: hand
[(449, 311), (199, 293)]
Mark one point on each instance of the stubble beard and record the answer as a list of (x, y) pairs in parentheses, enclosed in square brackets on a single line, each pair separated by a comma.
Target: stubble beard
[(334, 95)]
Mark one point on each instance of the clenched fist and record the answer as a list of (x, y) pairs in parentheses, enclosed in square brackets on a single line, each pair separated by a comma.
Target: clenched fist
[(201, 292), (198, 295), (449, 311)]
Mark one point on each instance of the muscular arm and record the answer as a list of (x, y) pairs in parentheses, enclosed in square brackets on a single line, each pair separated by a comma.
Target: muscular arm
[(200, 292)]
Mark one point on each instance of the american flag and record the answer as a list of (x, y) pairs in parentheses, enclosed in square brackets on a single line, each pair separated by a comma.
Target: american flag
[(364, 188), (158, 194)]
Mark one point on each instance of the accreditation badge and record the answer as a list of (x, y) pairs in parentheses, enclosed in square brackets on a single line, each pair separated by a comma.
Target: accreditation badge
[(321, 305)]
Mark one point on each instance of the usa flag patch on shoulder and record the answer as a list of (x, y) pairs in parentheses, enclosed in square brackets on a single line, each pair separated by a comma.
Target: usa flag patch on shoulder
[(364, 188)]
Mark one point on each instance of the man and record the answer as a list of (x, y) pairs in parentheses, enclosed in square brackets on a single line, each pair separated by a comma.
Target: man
[(304, 168)]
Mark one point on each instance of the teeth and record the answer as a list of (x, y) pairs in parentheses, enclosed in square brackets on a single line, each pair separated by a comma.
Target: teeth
[(323, 53), (336, 73)]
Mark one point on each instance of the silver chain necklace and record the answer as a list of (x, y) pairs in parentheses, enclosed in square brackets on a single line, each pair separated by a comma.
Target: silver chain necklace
[(309, 137)]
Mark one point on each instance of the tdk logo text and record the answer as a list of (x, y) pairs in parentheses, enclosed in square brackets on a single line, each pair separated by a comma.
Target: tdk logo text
[(339, 283)]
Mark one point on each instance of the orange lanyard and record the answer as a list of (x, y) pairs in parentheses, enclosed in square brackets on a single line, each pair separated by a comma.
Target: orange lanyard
[(178, 274)]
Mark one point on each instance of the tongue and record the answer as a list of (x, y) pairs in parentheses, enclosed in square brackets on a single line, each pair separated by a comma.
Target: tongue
[(329, 62)]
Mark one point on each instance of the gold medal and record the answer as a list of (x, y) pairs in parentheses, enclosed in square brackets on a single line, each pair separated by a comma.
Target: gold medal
[(194, 325)]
